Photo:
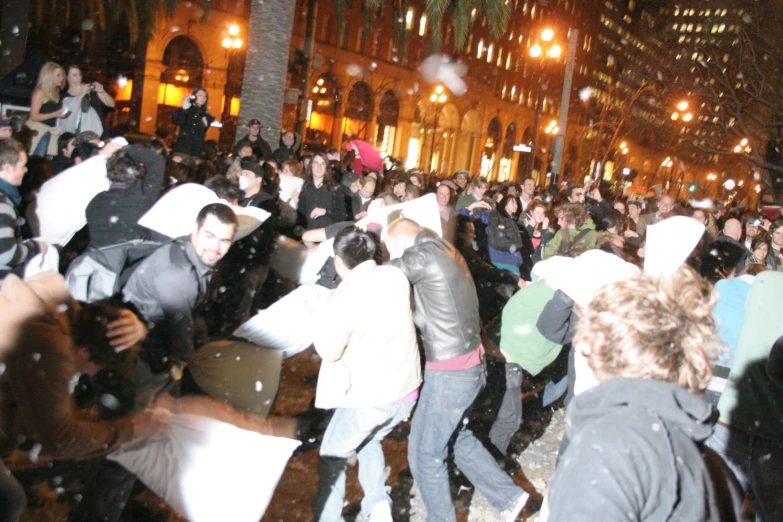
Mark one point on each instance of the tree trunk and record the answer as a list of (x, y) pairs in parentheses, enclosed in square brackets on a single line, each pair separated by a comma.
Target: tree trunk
[(266, 65), (14, 21)]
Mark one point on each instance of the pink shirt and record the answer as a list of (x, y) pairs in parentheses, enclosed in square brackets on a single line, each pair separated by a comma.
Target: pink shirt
[(455, 364)]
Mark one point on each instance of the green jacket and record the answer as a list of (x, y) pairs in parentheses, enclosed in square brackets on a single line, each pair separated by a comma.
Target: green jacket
[(586, 242), (520, 340), (751, 401)]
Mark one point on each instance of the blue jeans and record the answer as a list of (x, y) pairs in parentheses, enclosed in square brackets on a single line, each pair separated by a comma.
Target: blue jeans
[(353, 429), (444, 399), (758, 465)]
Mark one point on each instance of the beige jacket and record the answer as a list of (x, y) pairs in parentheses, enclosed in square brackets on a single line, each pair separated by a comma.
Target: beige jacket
[(367, 341)]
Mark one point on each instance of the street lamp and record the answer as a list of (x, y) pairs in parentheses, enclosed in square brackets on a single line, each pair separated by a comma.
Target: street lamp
[(549, 50), (682, 112), (437, 98), (230, 44)]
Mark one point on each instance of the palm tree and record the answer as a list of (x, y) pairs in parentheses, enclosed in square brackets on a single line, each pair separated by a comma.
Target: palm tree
[(269, 37), (266, 64)]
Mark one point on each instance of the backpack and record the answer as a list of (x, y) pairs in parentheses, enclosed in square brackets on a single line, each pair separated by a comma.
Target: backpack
[(503, 234)]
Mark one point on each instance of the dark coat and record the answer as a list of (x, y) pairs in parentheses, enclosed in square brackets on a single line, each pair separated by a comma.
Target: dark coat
[(193, 124), (113, 216), (330, 199), (261, 147)]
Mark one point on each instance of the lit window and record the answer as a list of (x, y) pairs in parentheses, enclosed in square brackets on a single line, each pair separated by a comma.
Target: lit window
[(508, 61), (480, 48), (409, 19), (489, 52), (422, 25), (473, 14)]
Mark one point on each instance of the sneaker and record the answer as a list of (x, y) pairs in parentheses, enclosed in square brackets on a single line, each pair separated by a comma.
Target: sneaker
[(510, 514), (381, 512)]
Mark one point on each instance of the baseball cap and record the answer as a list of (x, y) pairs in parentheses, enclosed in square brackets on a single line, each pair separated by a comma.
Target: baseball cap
[(253, 122), (5, 122)]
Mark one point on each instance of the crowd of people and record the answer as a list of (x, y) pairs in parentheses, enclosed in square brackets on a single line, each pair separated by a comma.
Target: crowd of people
[(654, 361)]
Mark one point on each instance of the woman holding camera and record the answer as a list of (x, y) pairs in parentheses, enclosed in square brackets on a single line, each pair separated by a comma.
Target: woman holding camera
[(86, 102), (193, 122)]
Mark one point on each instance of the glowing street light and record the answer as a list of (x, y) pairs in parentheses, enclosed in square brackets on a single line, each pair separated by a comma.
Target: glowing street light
[(233, 30), (438, 97), (549, 51), (729, 184), (687, 116), (535, 51), (682, 106)]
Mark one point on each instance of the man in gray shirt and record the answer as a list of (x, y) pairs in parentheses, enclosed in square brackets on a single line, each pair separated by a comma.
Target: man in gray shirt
[(171, 283)]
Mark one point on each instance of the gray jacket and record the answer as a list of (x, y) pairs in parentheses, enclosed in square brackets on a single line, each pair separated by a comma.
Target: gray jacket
[(166, 289), (446, 311)]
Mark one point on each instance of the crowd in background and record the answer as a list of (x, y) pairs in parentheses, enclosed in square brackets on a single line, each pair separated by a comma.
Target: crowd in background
[(474, 288)]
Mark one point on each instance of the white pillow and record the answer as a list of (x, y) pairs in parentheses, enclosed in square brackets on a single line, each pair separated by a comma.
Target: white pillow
[(209, 470)]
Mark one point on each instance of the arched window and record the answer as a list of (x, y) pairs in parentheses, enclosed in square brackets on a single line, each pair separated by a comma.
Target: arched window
[(360, 102)]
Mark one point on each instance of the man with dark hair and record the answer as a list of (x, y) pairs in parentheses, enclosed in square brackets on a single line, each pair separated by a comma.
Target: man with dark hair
[(370, 373), (14, 251), (448, 320), (63, 161), (172, 283), (261, 148), (136, 176), (575, 194), (51, 347)]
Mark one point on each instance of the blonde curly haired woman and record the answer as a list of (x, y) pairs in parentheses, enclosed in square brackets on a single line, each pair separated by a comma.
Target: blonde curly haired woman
[(45, 109)]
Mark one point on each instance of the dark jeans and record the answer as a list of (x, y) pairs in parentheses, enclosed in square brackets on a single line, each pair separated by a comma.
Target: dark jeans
[(510, 413), (12, 497)]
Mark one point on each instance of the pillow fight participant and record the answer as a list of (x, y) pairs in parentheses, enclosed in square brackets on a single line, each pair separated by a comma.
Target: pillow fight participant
[(370, 373), (170, 284), (14, 250), (165, 289), (665, 205), (136, 175), (50, 348), (446, 314), (634, 447)]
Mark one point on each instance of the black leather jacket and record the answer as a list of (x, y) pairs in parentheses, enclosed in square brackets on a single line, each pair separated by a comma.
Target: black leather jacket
[(446, 311)]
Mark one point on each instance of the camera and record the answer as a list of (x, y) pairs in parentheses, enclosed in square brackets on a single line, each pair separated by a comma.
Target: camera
[(92, 87), (757, 222), (192, 98)]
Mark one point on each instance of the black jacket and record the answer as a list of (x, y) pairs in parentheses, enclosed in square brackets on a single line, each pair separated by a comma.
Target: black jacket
[(284, 153), (193, 124), (261, 147), (446, 307), (636, 452), (330, 199), (113, 216)]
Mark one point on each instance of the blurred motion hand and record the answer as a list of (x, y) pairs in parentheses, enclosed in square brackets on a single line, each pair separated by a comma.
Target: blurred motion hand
[(126, 332)]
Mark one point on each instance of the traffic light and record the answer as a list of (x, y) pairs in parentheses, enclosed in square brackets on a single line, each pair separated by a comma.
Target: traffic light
[(692, 187)]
